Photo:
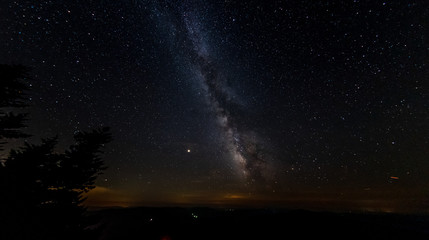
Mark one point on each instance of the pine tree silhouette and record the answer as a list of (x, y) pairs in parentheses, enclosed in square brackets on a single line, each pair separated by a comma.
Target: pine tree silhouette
[(12, 96), (41, 190)]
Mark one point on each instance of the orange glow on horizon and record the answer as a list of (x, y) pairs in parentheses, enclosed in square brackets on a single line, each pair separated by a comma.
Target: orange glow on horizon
[(234, 196)]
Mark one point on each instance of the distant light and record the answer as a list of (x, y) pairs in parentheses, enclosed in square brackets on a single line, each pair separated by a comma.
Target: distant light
[(166, 237), (396, 178), (189, 150)]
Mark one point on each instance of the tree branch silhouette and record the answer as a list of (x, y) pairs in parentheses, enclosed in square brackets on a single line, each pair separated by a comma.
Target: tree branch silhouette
[(41, 188)]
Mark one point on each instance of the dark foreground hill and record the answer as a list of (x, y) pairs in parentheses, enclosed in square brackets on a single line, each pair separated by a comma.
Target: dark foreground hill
[(207, 223)]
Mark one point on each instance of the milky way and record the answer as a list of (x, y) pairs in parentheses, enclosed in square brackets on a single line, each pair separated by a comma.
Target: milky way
[(245, 150), (243, 145)]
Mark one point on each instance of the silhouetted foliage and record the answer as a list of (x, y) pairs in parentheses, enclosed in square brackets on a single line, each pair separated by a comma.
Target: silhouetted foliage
[(12, 96), (41, 190)]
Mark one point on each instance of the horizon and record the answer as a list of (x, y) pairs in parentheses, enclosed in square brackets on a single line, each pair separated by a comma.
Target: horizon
[(309, 202)]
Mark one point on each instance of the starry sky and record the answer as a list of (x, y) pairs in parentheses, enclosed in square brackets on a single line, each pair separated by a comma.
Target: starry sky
[(245, 103)]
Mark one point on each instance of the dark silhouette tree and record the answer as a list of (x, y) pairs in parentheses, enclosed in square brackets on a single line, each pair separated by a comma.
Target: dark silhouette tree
[(12, 95), (41, 189)]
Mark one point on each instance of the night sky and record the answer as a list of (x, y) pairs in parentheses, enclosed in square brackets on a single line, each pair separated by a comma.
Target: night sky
[(245, 103)]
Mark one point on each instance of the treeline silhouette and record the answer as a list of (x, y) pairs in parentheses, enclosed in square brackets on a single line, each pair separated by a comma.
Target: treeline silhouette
[(41, 190), (12, 96)]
